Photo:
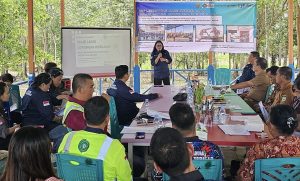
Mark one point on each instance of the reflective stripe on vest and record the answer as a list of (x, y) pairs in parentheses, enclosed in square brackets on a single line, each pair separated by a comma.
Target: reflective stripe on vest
[(68, 142), (70, 106), (104, 148)]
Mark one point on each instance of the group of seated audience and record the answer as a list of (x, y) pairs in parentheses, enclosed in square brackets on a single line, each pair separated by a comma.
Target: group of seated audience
[(82, 128)]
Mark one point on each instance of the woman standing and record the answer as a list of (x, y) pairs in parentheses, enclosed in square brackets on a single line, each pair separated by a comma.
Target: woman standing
[(5, 132), (160, 59)]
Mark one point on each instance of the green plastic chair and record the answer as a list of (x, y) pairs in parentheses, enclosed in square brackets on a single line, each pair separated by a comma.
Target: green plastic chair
[(222, 76), (275, 169), (269, 92), (211, 169), (115, 128), (78, 168)]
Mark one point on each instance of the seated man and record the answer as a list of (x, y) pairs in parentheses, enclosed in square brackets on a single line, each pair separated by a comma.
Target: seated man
[(259, 84), (285, 93), (183, 119), (248, 73), (83, 88), (274, 88), (94, 143), (172, 155), (125, 97)]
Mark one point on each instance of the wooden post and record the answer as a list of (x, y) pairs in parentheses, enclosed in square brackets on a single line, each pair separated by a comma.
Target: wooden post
[(136, 68), (136, 55), (290, 31), (30, 37), (298, 32), (62, 13), (210, 58)]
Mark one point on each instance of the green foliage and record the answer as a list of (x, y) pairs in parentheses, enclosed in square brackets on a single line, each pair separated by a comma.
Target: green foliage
[(272, 34)]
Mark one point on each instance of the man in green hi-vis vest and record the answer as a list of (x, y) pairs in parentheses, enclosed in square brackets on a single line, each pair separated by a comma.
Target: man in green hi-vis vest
[(94, 143)]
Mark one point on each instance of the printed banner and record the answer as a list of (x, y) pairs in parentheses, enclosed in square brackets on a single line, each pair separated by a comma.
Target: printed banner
[(197, 26)]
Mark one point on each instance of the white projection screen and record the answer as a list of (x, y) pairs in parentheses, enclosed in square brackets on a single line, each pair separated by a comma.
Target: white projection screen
[(95, 51)]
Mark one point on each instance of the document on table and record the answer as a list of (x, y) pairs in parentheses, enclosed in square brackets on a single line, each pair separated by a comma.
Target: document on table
[(252, 123), (133, 130), (234, 130), (153, 113)]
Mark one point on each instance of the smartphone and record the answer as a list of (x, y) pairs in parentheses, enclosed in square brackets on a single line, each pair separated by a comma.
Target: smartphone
[(140, 135)]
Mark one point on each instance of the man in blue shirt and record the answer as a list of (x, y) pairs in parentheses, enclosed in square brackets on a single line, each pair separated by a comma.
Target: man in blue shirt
[(125, 97), (248, 73)]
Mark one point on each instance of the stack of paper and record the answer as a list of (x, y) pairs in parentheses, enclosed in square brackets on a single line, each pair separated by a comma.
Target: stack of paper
[(252, 123), (153, 113), (133, 130), (236, 129)]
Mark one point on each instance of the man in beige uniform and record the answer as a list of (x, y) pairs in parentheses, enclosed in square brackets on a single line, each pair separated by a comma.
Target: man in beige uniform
[(283, 79), (259, 84)]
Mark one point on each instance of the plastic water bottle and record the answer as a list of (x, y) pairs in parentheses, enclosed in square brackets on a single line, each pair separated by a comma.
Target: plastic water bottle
[(190, 94), (208, 88), (158, 121), (146, 105), (222, 115)]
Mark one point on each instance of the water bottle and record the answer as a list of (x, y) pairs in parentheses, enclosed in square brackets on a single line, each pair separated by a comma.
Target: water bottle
[(216, 118), (210, 87), (222, 115), (158, 121), (190, 94), (146, 105)]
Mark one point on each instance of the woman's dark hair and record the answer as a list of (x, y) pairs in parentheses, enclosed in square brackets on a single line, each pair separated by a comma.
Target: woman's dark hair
[(28, 156), (40, 79), (7, 78), (154, 48), (283, 117), (49, 66), (55, 72), (2, 90)]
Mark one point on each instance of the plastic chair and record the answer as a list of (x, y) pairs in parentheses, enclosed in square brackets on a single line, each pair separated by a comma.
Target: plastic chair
[(269, 92), (275, 169), (211, 169), (78, 168), (211, 74), (115, 128), (222, 76)]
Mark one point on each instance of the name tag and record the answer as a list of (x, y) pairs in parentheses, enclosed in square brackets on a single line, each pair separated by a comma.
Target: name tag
[(46, 103)]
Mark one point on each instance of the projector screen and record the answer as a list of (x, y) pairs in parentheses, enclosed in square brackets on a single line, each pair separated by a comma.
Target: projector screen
[(95, 51)]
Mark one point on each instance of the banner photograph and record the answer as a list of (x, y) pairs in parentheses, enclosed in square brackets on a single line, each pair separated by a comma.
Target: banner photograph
[(197, 26)]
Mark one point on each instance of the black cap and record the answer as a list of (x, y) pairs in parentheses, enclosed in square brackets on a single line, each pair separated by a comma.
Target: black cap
[(55, 72)]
